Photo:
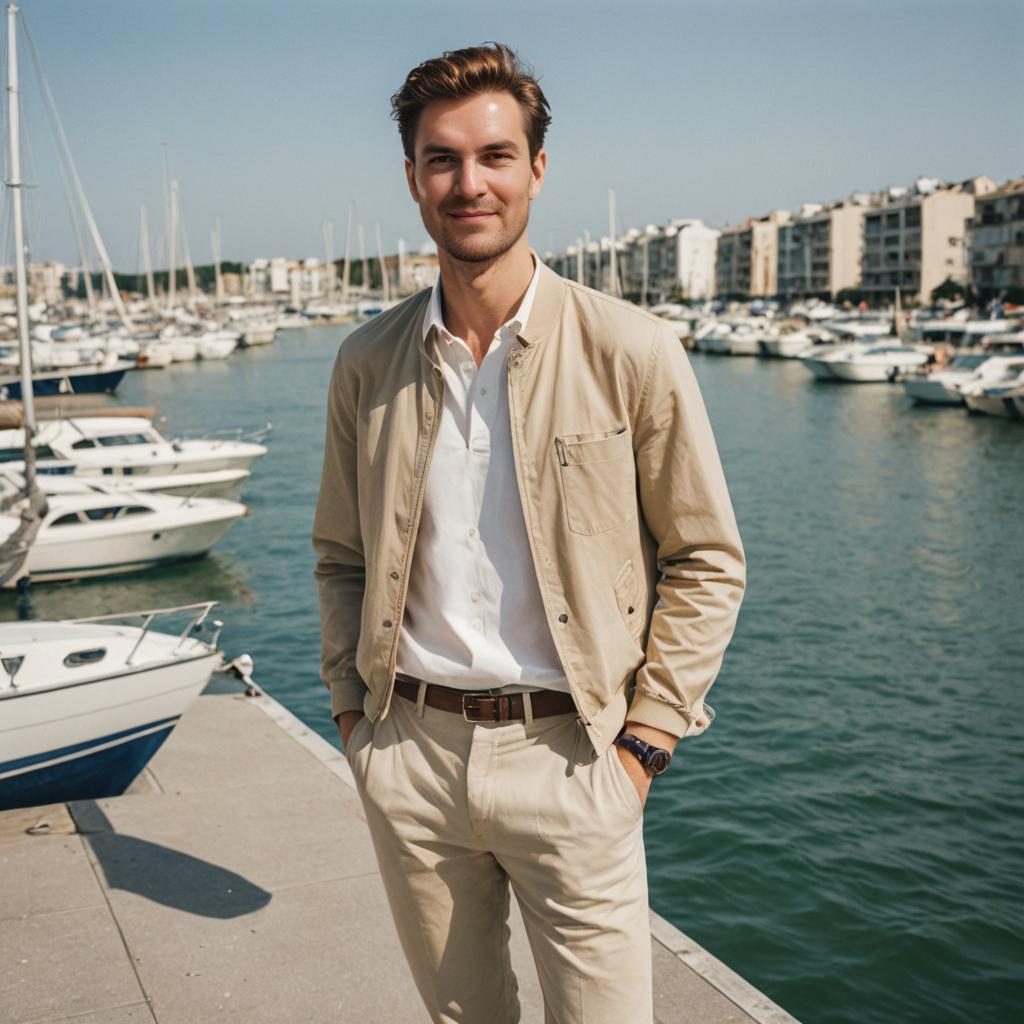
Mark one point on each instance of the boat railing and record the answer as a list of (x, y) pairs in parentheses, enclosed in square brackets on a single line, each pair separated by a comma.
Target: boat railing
[(150, 615), (257, 436)]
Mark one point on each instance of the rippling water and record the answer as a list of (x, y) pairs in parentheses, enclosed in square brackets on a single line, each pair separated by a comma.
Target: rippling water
[(847, 835)]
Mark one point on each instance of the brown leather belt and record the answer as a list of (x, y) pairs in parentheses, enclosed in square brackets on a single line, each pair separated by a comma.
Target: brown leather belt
[(481, 706)]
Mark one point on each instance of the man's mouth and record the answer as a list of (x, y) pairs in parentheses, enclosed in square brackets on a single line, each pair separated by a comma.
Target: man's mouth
[(471, 216)]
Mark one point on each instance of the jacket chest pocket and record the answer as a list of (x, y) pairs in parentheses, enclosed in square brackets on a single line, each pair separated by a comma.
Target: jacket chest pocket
[(598, 480)]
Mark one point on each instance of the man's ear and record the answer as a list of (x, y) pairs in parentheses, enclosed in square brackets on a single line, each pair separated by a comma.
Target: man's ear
[(410, 177), (538, 167)]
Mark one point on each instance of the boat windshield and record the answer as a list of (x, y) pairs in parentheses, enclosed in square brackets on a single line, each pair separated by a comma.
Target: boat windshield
[(114, 440), (968, 362)]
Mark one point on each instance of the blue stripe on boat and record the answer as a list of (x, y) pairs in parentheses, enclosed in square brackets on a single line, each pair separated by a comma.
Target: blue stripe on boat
[(23, 762), (88, 776)]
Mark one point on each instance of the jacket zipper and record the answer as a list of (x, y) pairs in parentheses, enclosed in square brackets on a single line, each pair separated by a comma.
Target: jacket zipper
[(385, 704), (560, 448)]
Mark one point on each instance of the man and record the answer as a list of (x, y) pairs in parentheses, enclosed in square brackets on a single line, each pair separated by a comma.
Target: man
[(528, 574)]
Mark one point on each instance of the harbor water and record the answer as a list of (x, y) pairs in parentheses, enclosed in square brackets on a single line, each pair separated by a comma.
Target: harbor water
[(847, 834)]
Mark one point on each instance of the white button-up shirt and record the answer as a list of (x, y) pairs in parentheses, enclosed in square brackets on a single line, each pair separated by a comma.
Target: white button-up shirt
[(474, 617)]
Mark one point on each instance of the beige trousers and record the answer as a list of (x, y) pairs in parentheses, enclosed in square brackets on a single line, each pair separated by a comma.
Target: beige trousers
[(458, 811)]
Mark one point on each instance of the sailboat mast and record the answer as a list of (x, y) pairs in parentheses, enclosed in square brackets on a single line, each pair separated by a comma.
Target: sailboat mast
[(363, 259), (329, 254), (346, 281), (21, 273), (172, 228), (218, 280), (150, 286), (613, 270), (384, 282)]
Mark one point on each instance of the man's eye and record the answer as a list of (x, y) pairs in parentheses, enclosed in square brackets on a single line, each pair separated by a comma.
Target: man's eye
[(439, 159), (500, 156)]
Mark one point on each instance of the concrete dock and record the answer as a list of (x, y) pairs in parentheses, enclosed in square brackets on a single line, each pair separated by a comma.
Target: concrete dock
[(235, 882)]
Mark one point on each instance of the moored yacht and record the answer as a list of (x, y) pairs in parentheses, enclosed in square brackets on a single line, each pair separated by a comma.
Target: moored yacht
[(945, 386), (878, 362), (130, 446), (84, 535)]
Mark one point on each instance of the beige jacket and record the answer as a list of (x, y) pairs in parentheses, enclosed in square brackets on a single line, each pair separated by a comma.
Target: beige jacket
[(630, 525)]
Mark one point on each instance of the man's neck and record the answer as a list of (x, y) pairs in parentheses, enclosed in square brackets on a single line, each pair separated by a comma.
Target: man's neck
[(480, 297)]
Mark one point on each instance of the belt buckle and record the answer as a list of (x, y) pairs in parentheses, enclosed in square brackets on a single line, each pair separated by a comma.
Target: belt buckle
[(498, 712)]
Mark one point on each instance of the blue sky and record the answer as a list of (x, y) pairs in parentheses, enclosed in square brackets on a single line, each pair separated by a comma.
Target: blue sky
[(275, 116)]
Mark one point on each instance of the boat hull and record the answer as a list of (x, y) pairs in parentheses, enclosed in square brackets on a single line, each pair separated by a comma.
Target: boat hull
[(90, 740), (54, 559), (931, 392), (70, 383)]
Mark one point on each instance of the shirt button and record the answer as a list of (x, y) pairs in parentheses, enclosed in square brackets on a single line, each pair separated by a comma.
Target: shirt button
[(483, 391), (475, 598), (472, 532), (387, 623), (563, 617), (395, 574)]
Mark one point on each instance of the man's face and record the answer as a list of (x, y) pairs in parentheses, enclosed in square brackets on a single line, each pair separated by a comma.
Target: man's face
[(473, 178)]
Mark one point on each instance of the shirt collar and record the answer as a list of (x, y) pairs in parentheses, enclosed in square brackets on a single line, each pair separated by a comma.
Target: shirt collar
[(516, 325)]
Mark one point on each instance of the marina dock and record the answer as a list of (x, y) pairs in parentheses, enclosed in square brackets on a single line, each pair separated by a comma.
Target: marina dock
[(235, 881)]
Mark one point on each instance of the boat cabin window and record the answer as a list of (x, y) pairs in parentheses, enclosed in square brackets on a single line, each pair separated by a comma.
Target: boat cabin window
[(114, 440), (135, 510), (43, 451), (69, 519), (90, 657), (102, 513), (86, 442)]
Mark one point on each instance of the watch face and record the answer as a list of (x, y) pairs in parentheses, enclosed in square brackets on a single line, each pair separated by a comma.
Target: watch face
[(659, 761)]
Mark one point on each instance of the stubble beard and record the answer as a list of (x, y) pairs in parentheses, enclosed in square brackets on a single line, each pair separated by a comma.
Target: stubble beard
[(458, 249)]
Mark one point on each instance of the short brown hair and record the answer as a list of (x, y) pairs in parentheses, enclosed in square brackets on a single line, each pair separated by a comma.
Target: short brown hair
[(491, 67)]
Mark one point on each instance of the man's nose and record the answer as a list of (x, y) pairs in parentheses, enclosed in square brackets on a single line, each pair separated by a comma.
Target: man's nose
[(469, 181)]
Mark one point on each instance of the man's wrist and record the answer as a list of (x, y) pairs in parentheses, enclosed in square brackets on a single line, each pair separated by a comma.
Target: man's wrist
[(650, 734)]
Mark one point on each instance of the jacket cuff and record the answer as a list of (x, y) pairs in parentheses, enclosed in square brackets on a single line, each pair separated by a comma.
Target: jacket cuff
[(668, 717), (346, 695)]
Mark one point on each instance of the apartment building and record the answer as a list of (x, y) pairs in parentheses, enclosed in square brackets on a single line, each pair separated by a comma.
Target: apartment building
[(996, 243), (680, 260), (746, 265), (916, 238), (820, 249)]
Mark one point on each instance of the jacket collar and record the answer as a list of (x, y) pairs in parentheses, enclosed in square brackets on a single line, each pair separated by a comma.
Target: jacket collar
[(547, 305)]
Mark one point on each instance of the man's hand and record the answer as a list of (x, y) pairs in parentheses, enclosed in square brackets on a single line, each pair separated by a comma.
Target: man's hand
[(346, 723), (634, 769)]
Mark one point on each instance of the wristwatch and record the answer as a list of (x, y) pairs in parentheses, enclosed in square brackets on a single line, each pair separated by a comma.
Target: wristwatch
[(654, 759)]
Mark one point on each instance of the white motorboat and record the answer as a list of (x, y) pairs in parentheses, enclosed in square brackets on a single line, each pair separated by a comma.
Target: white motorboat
[(1005, 398), (292, 321), (217, 344), (790, 344), (85, 703), (878, 363), (859, 328), (819, 358), (258, 333), (710, 335), (945, 387), (131, 446), (155, 355), (217, 483), (85, 535), (183, 349), (746, 339)]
